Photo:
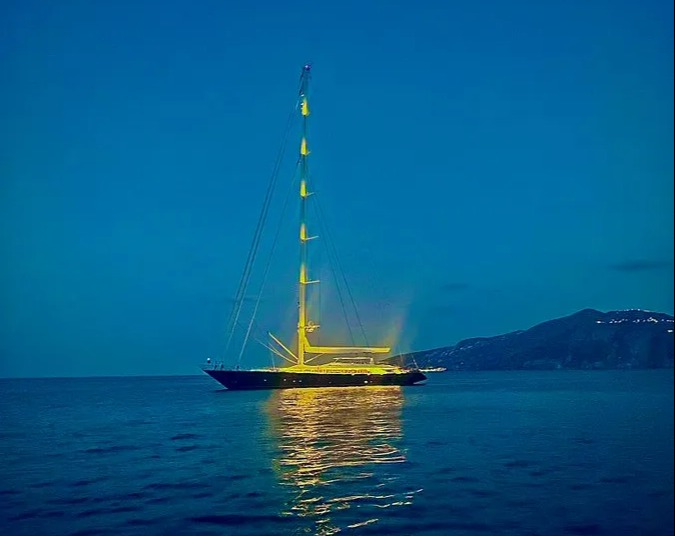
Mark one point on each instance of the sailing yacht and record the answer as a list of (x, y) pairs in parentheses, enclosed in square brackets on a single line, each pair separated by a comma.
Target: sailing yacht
[(348, 365)]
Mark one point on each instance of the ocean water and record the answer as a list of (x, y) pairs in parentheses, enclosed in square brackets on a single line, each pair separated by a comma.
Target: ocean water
[(515, 453)]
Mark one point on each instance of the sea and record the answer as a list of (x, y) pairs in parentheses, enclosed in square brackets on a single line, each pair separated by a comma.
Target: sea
[(513, 453)]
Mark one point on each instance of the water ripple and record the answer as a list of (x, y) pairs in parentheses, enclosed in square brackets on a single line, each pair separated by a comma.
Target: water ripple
[(112, 449), (238, 519), (584, 530)]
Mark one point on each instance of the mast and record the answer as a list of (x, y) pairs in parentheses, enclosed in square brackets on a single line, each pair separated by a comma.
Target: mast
[(303, 281), (304, 325)]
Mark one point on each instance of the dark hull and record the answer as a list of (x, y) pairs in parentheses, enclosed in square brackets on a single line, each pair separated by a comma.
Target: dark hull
[(259, 379)]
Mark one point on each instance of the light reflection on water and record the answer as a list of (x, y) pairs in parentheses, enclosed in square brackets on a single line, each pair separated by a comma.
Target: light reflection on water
[(336, 451)]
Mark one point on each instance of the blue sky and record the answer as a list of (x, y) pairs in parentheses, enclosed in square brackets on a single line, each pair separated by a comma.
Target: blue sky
[(484, 166)]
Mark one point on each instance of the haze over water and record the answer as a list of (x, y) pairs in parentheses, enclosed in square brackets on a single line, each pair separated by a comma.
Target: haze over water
[(469, 453)]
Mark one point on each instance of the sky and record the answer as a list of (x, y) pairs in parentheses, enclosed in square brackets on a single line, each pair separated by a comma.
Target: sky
[(482, 167)]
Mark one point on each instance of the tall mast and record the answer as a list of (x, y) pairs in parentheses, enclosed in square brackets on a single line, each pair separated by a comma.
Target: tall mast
[(303, 281), (304, 325)]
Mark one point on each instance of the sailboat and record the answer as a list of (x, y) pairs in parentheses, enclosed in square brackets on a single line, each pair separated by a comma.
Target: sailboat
[(348, 365)]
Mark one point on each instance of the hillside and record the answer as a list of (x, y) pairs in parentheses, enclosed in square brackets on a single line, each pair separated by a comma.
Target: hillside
[(588, 339)]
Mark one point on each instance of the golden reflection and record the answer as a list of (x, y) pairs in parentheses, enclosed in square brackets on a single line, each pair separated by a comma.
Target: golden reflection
[(337, 450)]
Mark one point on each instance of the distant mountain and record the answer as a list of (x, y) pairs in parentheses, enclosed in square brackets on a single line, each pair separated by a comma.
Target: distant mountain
[(588, 339)]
